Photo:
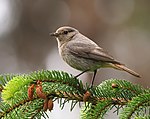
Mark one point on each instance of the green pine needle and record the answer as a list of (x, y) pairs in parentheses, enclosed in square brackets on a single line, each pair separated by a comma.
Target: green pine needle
[(96, 111), (135, 105), (13, 88), (114, 88), (64, 88)]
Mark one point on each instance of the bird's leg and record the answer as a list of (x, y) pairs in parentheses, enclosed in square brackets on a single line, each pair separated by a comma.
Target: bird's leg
[(95, 71), (81, 73)]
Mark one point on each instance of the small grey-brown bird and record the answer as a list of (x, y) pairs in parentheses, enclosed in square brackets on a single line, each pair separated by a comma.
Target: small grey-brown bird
[(83, 54)]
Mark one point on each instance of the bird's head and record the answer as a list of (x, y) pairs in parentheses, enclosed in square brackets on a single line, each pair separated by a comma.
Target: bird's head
[(64, 34)]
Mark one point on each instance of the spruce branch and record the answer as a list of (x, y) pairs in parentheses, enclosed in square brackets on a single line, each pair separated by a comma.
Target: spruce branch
[(135, 106), (143, 117), (96, 111), (30, 95)]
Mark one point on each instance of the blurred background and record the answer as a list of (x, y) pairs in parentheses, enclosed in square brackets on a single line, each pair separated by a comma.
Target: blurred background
[(122, 27)]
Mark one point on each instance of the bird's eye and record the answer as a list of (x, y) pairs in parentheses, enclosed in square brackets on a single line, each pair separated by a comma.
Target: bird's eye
[(65, 32)]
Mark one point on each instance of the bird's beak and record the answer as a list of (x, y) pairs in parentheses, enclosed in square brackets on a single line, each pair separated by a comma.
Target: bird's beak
[(54, 34)]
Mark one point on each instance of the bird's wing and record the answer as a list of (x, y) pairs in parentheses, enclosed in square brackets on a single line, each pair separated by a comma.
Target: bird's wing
[(90, 51)]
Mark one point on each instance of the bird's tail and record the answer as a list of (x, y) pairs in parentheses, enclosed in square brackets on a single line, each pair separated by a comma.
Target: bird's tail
[(124, 68)]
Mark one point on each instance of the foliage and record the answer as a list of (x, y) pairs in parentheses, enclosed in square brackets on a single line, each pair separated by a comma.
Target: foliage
[(30, 95)]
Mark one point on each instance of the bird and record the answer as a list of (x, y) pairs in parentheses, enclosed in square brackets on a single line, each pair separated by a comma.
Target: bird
[(83, 54)]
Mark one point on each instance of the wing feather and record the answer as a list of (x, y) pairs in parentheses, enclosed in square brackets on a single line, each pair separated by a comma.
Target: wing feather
[(90, 51)]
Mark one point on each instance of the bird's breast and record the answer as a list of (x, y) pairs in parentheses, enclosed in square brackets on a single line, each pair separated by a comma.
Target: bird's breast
[(77, 62)]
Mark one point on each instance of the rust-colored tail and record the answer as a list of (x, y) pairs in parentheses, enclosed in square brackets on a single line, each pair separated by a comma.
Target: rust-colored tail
[(124, 68)]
